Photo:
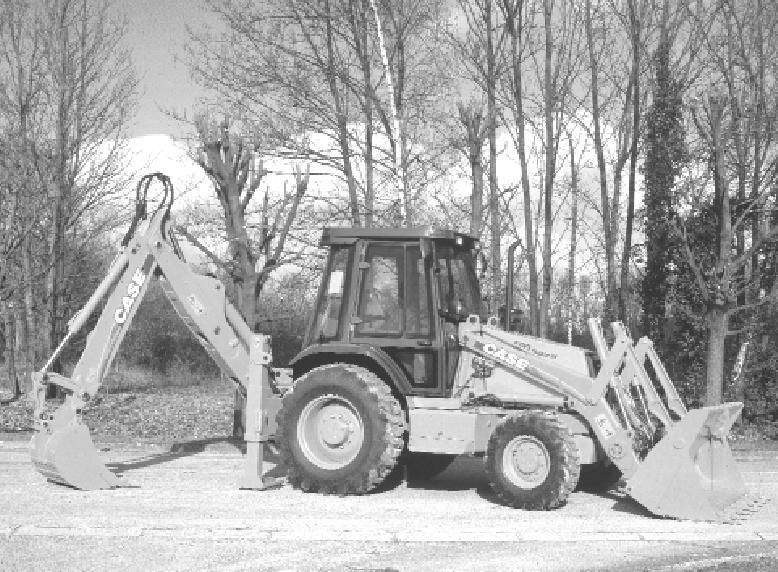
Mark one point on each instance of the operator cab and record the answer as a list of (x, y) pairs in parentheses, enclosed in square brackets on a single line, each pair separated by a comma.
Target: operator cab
[(401, 292)]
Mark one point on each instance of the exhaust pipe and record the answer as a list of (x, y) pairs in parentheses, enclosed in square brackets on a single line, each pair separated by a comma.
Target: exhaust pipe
[(509, 285)]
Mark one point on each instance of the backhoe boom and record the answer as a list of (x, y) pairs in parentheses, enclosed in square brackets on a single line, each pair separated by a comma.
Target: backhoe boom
[(62, 448)]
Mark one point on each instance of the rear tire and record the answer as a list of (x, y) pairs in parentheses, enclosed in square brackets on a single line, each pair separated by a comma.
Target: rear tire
[(532, 461), (340, 430)]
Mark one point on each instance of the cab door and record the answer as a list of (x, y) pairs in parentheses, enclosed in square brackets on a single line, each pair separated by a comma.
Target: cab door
[(456, 296), (394, 312)]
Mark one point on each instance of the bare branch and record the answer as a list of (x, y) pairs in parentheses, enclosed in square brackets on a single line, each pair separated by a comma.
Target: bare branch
[(204, 249)]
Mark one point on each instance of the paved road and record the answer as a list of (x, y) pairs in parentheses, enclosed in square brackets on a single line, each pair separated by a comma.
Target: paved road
[(182, 510)]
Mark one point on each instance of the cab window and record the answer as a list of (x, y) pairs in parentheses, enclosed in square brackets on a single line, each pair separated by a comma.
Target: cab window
[(394, 298)]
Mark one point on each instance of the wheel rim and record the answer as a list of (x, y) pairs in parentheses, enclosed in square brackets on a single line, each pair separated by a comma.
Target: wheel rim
[(526, 461), (330, 431)]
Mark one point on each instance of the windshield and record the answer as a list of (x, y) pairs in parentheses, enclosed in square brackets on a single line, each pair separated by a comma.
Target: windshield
[(459, 293)]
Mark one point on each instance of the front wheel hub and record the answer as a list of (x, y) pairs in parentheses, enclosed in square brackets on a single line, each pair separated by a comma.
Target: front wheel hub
[(526, 461), (335, 430)]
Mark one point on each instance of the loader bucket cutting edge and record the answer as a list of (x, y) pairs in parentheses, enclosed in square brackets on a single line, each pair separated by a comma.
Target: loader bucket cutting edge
[(68, 456), (691, 473)]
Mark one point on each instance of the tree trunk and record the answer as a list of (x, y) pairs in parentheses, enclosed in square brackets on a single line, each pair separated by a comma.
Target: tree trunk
[(28, 323), (7, 313), (717, 317), (514, 23), (397, 138), (476, 200), (550, 166), (717, 325), (472, 120), (608, 238), (633, 159), (54, 278), (368, 111), (369, 191), (343, 135), (573, 243), (494, 198)]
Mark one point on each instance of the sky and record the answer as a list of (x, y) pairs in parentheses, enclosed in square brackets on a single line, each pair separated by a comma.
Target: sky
[(156, 35)]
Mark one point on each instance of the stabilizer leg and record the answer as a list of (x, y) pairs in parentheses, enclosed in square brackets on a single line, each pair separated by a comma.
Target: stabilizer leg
[(258, 406)]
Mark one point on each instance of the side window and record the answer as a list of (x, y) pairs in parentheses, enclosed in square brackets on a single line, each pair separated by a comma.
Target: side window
[(328, 317), (380, 295)]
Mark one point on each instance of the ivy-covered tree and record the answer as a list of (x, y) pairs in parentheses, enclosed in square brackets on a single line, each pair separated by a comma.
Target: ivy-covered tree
[(665, 155)]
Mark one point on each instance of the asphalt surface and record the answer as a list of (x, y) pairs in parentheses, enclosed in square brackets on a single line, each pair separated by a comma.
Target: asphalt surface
[(181, 509)]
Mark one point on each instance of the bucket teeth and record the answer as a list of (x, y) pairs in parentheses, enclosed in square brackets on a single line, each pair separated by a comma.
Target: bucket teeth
[(743, 509)]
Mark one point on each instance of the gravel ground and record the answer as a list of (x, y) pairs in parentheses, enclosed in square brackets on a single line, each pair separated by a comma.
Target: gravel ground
[(181, 509)]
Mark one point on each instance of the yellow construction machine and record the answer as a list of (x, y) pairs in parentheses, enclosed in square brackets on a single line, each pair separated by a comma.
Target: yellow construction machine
[(398, 357)]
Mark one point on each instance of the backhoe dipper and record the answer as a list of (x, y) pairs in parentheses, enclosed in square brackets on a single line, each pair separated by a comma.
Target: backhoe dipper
[(399, 356)]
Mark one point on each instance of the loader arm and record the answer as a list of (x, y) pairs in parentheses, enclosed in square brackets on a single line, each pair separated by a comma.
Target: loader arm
[(675, 462), (575, 391), (61, 447)]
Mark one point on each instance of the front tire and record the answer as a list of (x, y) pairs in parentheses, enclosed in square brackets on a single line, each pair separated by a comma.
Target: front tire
[(532, 461), (340, 430)]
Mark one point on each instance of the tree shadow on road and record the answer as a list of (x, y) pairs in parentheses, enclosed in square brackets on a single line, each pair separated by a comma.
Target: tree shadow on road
[(183, 449)]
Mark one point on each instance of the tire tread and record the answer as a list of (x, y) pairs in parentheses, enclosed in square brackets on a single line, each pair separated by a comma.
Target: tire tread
[(536, 422), (364, 479)]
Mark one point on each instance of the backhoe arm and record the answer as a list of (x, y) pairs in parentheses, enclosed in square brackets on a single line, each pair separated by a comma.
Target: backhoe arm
[(62, 448)]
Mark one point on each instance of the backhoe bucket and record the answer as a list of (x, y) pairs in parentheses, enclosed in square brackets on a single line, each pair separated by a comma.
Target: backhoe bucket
[(690, 473), (63, 452)]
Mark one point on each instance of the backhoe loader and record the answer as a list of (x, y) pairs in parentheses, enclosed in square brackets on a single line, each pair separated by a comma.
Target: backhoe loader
[(399, 357)]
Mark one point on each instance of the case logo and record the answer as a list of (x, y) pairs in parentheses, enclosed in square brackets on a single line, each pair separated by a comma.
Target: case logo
[(511, 359), (133, 290)]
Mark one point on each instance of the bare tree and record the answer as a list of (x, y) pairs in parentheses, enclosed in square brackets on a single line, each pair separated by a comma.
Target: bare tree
[(66, 95), (236, 173), (472, 119), (514, 15), (573, 239), (635, 22), (482, 50), (609, 205), (91, 87), (735, 129), (313, 75), (21, 49)]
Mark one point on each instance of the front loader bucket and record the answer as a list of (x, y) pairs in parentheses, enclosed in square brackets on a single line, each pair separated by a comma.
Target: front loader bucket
[(690, 473), (63, 452)]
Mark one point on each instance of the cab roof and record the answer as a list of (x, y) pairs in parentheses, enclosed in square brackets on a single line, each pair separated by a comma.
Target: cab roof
[(349, 235)]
